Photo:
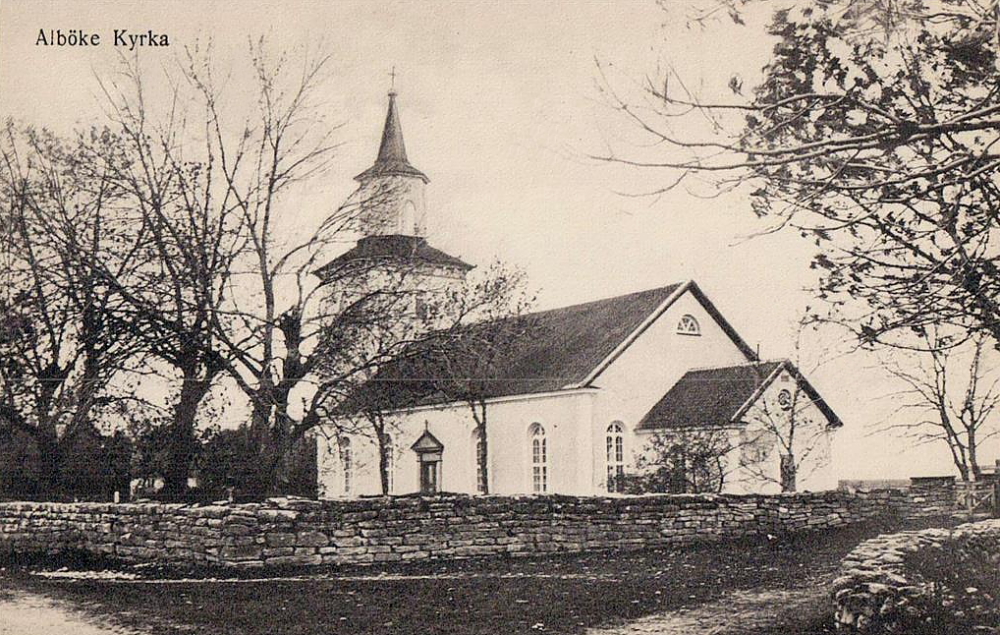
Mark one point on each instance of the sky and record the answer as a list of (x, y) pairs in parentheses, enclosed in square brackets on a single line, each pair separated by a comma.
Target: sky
[(501, 107)]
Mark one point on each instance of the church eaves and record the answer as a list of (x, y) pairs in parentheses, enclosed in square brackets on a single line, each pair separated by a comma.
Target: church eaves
[(392, 160)]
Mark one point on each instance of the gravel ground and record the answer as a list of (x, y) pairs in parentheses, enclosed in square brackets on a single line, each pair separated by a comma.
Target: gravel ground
[(752, 587)]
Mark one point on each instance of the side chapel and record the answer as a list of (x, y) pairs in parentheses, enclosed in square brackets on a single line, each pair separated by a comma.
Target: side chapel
[(603, 383)]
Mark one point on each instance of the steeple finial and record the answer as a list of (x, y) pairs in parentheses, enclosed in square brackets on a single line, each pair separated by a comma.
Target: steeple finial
[(392, 81)]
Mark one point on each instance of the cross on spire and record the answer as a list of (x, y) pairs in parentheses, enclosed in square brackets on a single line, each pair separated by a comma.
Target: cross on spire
[(392, 81)]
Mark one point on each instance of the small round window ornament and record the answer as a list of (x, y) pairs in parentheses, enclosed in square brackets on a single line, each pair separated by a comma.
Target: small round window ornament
[(785, 399)]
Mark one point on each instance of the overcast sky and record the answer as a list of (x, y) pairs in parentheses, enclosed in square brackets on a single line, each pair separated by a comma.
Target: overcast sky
[(500, 108)]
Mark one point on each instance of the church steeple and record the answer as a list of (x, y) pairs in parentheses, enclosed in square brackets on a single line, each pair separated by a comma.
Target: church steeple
[(392, 190), (391, 218), (391, 158)]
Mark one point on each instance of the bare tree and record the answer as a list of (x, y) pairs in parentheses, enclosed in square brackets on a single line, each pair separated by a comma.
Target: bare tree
[(369, 325), (452, 354), (298, 337), (467, 361), (63, 340), (178, 204), (792, 424), (787, 426), (259, 157), (950, 397)]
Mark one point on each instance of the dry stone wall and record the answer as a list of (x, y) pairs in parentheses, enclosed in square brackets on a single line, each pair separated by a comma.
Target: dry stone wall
[(304, 532), (881, 589)]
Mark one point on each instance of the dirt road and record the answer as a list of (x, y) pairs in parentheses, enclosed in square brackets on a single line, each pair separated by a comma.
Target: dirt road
[(26, 613), (739, 613)]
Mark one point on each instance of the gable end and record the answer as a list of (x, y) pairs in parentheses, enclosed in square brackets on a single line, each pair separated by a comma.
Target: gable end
[(705, 303)]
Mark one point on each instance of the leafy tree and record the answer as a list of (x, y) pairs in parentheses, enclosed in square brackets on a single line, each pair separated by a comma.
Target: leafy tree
[(874, 131)]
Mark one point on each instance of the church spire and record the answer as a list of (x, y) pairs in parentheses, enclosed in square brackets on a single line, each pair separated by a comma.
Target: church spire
[(392, 150), (391, 158)]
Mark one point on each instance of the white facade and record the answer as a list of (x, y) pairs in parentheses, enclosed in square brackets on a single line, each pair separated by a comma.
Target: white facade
[(575, 422), (565, 441)]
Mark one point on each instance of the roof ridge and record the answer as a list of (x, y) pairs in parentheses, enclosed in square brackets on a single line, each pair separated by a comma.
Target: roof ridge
[(758, 362), (672, 286)]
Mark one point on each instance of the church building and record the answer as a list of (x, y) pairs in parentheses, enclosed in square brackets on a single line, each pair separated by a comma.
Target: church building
[(589, 397)]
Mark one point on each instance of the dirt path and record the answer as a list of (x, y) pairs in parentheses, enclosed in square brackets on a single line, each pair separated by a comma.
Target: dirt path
[(24, 613), (738, 613)]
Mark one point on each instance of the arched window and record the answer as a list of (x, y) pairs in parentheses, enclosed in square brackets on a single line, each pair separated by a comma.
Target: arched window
[(347, 460), (390, 463), (688, 326), (539, 459), (616, 457), (408, 219), (422, 306), (477, 448)]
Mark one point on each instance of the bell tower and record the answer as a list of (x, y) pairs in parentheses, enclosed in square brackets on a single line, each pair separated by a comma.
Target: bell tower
[(392, 193), (392, 253)]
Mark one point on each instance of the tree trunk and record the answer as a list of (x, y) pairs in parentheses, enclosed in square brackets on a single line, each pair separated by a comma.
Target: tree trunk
[(483, 454), (976, 471), (383, 458), (788, 473), (279, 449), (49, 457), (182, 441)]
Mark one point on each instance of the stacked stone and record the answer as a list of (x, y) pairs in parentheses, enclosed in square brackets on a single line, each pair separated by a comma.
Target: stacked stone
[(932, 495), (288, 531), (877, 591)]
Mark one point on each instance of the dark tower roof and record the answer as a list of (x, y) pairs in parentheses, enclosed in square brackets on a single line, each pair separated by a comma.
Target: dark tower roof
[(391, 158), (372, 250)]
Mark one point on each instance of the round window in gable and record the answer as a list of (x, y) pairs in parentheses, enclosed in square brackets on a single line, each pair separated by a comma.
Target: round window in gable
[(785, 399), (688, 326)]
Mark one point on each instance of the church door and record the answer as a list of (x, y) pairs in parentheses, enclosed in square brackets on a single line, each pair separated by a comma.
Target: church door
[(429, 477), (429, 451)]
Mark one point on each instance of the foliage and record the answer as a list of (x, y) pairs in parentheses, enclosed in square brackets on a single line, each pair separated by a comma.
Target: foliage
[(92, 467), (228, 467), (691, 461), (874, 132), (965, 590)]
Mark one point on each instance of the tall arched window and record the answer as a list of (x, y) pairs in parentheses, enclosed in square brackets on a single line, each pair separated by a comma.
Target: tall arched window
[(390, 463), (347, 460), (408, 219), (616, 457), (539, 459), (477, 448), (688, 326)]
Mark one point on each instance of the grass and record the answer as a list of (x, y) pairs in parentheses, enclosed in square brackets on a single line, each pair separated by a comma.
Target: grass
[(564, 594)]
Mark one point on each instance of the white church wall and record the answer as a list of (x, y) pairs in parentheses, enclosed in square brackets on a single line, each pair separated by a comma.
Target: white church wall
[(811, 443), (646, 370), (565, 417)]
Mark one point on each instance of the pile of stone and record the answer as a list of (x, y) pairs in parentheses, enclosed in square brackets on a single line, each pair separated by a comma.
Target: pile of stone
[(880, 589)]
